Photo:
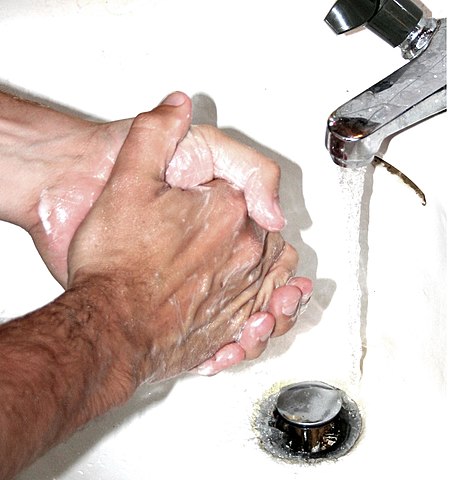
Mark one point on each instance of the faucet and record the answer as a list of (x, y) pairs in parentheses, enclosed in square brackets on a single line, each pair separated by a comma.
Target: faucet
[(415, 92)]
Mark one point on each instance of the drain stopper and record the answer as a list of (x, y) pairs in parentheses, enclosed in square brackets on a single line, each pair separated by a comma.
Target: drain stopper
[(308, 413), (310, 421)]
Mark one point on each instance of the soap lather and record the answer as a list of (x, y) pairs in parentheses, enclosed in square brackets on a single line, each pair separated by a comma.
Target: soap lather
[(415, 92)]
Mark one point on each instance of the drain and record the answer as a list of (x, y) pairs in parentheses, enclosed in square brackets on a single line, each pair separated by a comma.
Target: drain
[(308, 421)]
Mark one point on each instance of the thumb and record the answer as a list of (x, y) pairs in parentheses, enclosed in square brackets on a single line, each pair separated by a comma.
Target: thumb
[(153, 138)]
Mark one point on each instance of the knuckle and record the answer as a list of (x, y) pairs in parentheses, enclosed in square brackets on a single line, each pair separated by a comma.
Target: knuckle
[(145, 120), (156, 120)]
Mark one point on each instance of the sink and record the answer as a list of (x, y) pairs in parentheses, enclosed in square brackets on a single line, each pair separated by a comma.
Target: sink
[(376, 326)]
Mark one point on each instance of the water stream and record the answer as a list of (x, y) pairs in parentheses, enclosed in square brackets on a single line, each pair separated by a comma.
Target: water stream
[(355, 188)]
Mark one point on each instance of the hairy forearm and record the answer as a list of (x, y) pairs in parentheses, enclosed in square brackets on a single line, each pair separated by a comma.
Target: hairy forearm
[(60, 367)]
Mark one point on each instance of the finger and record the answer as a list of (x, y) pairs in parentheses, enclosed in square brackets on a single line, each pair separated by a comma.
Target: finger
[(224, 358), (305, 285), (262, 325), (261, 192), (256, 333), (207, 153), (153, 138), (284, 306), (279, 274), (252, 342), (255, 174), (285, 303)]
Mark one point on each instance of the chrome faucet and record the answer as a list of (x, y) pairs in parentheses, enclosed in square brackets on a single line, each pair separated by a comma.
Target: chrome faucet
[(415, 92)]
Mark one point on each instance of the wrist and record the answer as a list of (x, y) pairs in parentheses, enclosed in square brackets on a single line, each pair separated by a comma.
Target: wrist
[(137, 334), (106, 324), (60, 367), (33, 153), (45, 155)]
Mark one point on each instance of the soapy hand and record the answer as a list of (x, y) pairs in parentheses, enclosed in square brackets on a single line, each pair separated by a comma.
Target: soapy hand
[(159, 279), (203, 155), (86, 154), (189, 266)]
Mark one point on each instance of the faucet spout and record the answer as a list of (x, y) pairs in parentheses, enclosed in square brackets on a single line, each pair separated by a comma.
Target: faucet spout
[(415, 92)]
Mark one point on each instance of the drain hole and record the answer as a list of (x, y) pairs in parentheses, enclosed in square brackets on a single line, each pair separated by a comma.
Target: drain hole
[(308, 421)]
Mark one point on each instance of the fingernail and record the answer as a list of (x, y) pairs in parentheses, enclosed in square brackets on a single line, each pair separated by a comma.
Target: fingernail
[(206, 369), (307, 289), (258, 319), (290, 308), (263, 326), (175, 99), (263, 338)]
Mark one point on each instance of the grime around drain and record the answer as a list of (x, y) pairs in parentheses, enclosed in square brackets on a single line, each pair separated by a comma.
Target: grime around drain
[(295, 440)]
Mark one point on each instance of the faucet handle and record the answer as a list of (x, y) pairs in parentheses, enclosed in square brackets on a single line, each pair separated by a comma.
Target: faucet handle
[(345, 15), (392, 20)]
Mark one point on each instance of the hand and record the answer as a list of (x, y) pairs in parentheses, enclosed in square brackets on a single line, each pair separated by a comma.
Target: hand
[(188, 266), (203, 154), (70, 161), (160, 278)]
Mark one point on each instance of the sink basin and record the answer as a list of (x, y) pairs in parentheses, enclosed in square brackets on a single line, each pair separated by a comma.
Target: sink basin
[(376, 325)]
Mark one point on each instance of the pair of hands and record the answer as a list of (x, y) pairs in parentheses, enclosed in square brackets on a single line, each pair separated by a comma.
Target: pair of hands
[(220, 288)]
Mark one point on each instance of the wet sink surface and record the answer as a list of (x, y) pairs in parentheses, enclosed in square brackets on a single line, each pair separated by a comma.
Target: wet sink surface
[(273, 72)]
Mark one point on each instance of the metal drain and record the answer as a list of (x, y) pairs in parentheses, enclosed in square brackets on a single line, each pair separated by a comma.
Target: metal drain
[(308, 422)]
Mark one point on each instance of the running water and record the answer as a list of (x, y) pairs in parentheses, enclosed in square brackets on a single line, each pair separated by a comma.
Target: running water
[(355, 200)]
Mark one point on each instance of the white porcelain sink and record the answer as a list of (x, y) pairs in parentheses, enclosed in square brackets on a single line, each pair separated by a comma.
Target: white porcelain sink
[(275, 71)]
